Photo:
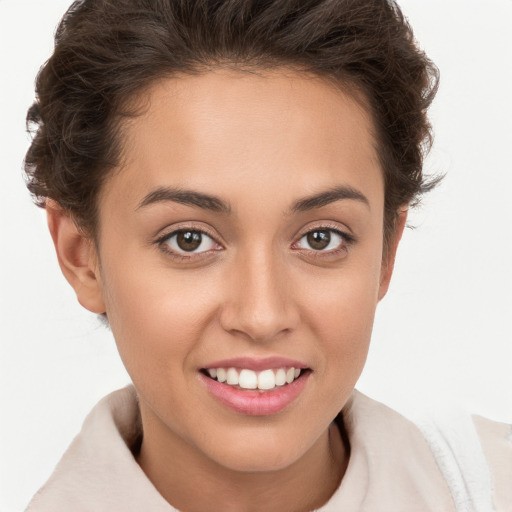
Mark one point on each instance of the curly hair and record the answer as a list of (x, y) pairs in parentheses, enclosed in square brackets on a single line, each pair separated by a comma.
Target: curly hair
[(108, 51)]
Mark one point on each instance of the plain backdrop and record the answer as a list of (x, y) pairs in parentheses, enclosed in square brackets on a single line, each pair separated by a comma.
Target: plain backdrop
[(443, 333)]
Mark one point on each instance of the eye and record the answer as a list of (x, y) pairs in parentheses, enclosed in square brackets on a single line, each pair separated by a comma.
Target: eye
[(189, 241), (324, 240)]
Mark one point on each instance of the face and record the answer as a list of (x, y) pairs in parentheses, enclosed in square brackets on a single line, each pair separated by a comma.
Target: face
[(242, 239)]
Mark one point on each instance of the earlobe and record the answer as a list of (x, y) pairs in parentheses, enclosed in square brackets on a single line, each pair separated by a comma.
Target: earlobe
[(388, 262), (77, 258)]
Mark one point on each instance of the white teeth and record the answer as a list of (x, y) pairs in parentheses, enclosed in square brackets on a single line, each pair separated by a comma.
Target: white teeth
[(248, 379), (266, 379), (232, 377), (221, 375), (280, 377)]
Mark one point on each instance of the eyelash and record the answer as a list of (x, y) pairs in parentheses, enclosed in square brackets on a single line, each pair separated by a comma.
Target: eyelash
[(161, 242), (347, 241)]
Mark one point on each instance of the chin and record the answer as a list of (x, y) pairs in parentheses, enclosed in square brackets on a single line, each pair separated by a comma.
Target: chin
[(258, 461), (266, 452)]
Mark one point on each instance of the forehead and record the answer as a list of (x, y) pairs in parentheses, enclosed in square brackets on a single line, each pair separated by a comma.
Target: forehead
[(231, 133)]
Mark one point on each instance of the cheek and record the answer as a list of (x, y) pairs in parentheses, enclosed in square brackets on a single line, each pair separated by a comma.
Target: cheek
[(340, 310), (344, 329), (342, 303), (156, 317)]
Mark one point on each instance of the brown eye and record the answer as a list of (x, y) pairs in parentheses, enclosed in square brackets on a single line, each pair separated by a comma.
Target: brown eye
[(319, 240), (323, 240), (189, 240)]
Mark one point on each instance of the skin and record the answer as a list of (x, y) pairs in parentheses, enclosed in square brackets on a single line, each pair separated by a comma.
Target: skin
[(260, 143)]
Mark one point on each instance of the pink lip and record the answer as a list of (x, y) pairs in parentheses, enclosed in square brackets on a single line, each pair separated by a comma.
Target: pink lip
[(255, 403), (257, 365)]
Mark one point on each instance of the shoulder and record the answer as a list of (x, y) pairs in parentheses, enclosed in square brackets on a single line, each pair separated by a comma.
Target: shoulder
[(474, 454), (470, 454), (391, 466), (496, 441), (102, 452)]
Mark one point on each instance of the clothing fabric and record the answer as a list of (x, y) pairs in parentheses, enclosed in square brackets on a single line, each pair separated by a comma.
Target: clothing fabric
[(392, 465), (456, 447)]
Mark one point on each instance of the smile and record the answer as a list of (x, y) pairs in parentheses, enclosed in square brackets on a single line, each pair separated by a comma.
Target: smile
[(249, 379), (255, 388)]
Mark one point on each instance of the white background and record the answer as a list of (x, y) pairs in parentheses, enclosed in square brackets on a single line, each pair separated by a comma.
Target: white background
[(444, 332)]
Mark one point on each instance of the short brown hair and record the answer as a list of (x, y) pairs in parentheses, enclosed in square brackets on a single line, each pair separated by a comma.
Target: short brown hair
[(106, 51)]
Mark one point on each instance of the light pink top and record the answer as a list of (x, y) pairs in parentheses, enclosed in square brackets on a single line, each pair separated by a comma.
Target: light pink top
[(391, 466)]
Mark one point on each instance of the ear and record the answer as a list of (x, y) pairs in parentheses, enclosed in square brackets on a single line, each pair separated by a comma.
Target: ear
[(77, 258), (388, 260)]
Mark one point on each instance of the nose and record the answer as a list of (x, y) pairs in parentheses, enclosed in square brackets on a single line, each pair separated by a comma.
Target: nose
[(259, 304)]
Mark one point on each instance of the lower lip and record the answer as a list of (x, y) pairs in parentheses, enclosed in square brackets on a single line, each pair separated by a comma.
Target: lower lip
[(256, 403)]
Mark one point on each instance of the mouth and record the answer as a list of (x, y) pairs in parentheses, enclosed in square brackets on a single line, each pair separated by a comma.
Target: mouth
[(255, 392), (247, 379)]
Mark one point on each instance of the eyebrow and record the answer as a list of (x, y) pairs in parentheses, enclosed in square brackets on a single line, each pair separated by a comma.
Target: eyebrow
[(329, 196), (215, 204), (186, 197)]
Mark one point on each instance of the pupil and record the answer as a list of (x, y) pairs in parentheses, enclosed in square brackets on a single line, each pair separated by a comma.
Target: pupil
[(319, 239), (189, 240)]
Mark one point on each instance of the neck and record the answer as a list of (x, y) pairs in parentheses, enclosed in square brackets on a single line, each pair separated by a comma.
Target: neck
[(192, 482)]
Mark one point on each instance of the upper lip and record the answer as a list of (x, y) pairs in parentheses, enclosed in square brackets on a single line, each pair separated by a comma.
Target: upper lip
[(257, 364)]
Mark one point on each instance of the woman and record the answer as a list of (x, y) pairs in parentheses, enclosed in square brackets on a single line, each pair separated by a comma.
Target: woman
[(227, 184)]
